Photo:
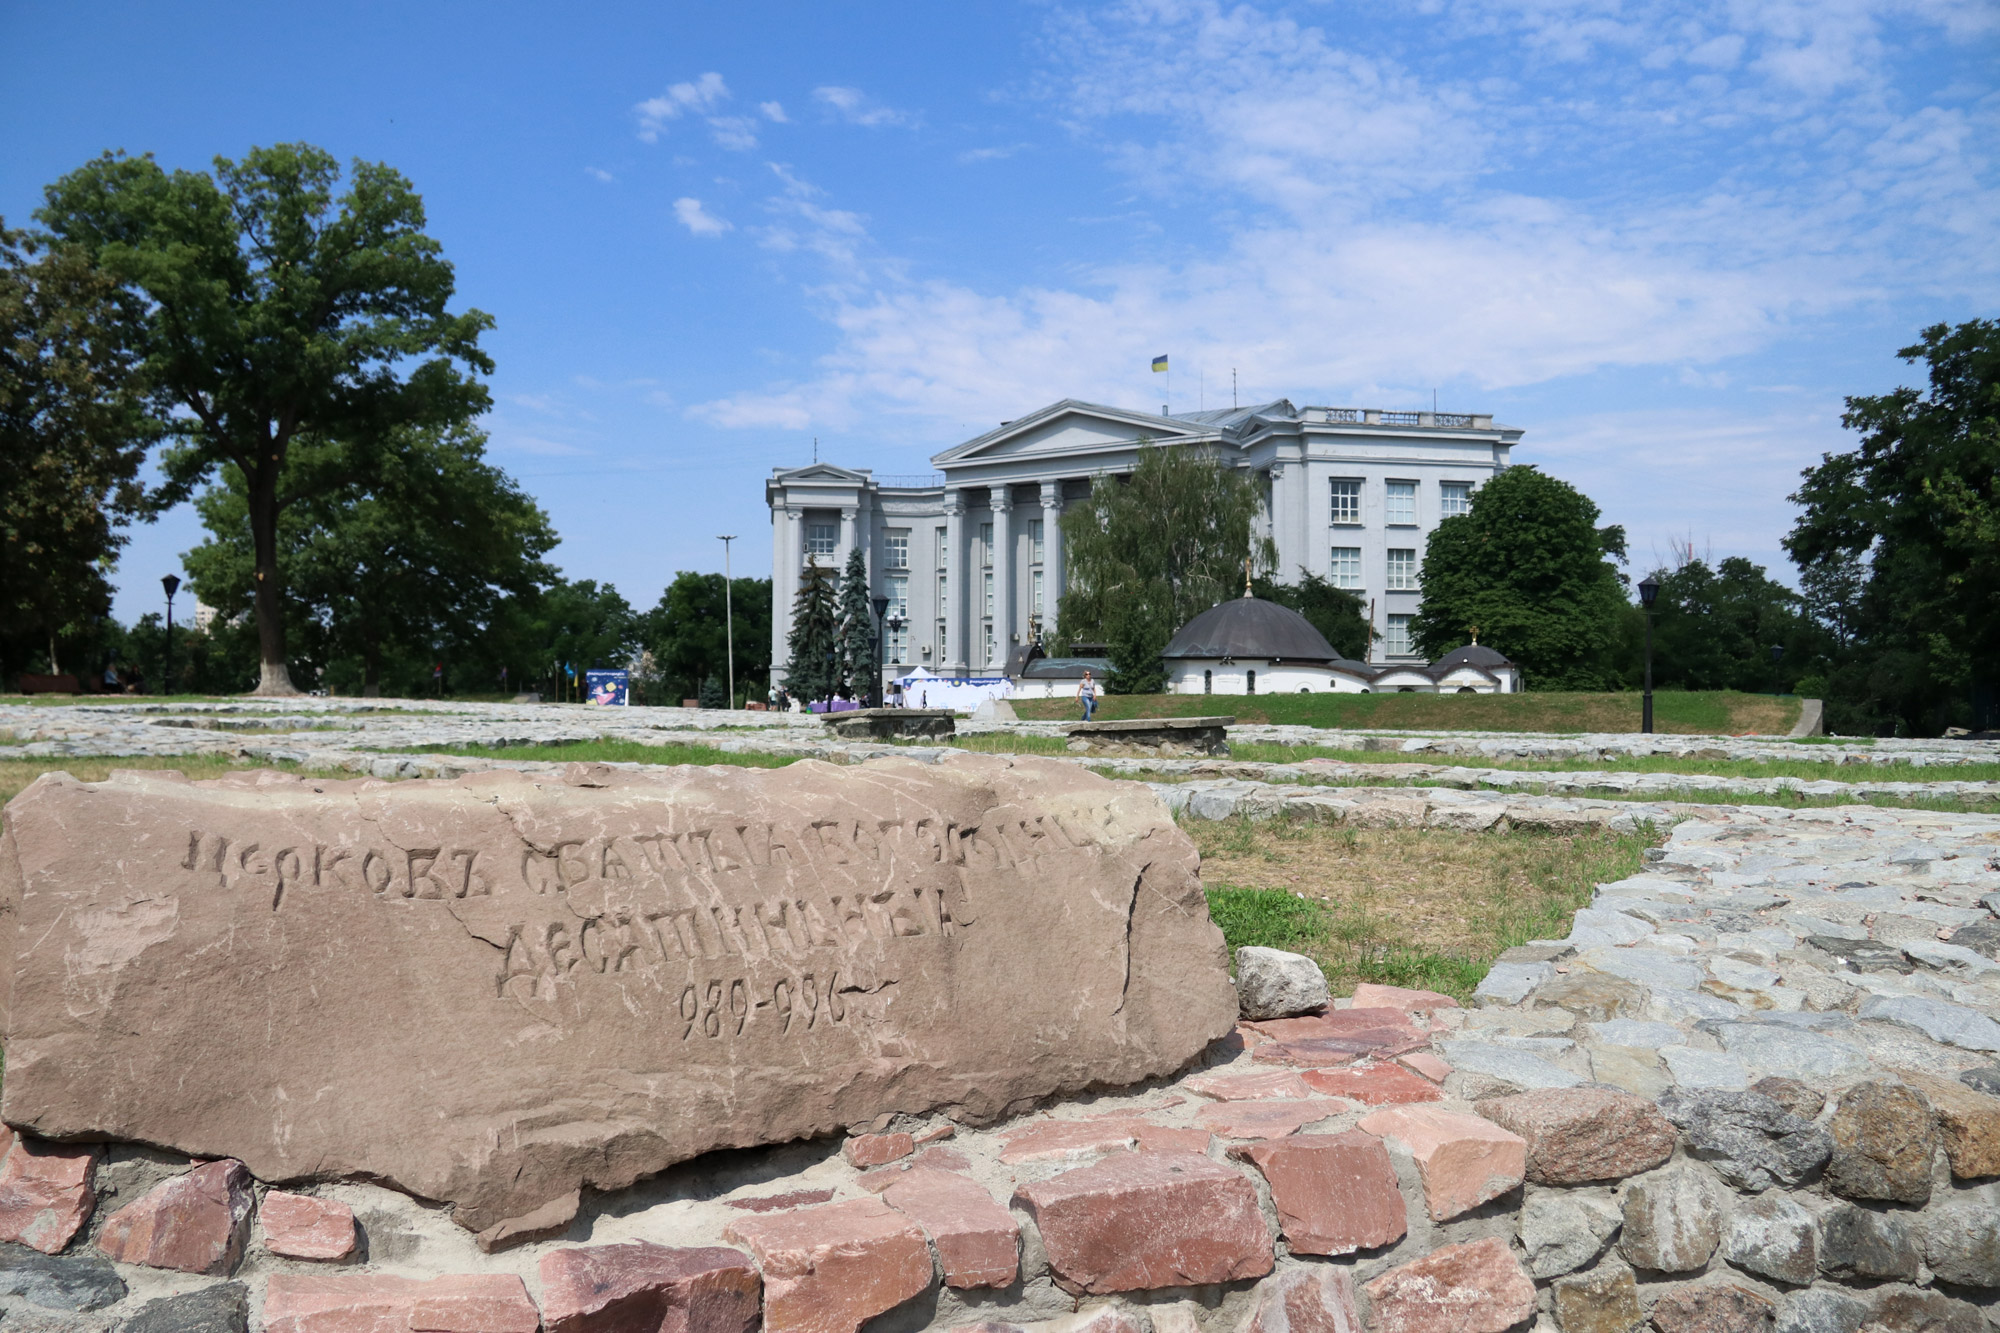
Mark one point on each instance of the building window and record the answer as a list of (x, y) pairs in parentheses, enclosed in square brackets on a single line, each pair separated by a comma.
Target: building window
[(899, 596), (1396, 641), (821, 538), (896, 549), (1208, 682), (1347, 566), (897, 644), (1035, 593), (1346, 502), (1402, 570), (986, 545), (1401, 502), (989, 592), (987, 656), (943, 549), (1250, 679), (940, 643), (1035, 535), (1454, 498)]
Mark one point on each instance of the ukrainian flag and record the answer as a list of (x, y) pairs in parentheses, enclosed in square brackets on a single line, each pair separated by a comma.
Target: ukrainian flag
[(1159, 363)]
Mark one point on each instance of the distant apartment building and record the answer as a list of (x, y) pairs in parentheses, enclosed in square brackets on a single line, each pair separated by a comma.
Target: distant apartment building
[(970, 558)]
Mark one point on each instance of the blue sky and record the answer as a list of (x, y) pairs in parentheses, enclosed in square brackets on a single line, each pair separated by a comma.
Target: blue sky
[(1665, 239)]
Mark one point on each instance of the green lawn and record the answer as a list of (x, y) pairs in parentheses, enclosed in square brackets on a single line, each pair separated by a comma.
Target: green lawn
[(1708, 713)]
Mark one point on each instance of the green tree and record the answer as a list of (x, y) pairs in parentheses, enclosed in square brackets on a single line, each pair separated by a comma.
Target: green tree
[(1148, 552), (1714, 629), (1528, 567), (415, 561), (571, 628), (1899, 542), (273, 312), (712, 695), (811, 650), (687, 635), (74, 429), (856, 629), (1337, 613)]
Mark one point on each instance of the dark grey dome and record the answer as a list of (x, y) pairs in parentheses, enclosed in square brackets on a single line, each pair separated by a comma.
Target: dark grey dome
[(1253, 628), (1474, 655)]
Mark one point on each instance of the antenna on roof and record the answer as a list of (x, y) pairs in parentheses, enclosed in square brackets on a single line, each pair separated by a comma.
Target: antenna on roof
[(1232, 388), (815, 448)]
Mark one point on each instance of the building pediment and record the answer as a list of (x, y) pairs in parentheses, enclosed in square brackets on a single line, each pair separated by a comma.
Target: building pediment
[(819, 474), (1064, 429)]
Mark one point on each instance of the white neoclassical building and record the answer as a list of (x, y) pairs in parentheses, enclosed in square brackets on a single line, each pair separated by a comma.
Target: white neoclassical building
[(971, 558)]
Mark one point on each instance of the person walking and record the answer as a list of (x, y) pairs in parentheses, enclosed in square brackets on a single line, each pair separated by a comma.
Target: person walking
[(1087, 692)]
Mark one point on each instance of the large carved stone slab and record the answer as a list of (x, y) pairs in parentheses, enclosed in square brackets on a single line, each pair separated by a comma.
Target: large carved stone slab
[(494, 990)]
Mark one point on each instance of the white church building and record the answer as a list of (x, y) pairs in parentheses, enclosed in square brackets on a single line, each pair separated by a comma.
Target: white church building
[(971, 560)]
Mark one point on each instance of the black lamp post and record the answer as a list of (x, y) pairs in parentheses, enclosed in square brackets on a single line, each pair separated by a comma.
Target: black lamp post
[(881, 605), (1777, 682), (1648, 590), (172, 584)]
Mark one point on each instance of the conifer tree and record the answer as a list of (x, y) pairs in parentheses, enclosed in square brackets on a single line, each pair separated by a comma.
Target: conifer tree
[(857, 629), (810, 673)]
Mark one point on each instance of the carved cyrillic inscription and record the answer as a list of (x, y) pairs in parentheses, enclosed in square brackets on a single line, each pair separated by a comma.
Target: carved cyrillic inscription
[(386, 872)]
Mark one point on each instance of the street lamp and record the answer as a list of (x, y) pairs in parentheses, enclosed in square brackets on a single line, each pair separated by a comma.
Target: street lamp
[(172, 584), (881, 605), (729, 617), (1648, 591), (1777, 681)]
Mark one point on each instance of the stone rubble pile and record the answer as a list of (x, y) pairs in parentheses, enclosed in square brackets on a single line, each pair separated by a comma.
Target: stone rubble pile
[(1753, 1091)]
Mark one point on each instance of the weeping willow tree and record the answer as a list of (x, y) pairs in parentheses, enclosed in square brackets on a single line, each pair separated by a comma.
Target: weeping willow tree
[(1151, 550)]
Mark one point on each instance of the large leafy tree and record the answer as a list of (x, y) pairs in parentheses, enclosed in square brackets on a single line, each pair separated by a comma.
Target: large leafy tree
[(417, 559), (566, 629), (812, 669), (275, 307), (1530, 570), (1150, 551), (1899, 542), (74, 429), (1714, 629), (687, 634)]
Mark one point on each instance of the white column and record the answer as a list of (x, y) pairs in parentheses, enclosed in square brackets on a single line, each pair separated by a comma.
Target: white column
[(958, 592), (1003, 583), (1052, 558), (788, 547), (847, 535)]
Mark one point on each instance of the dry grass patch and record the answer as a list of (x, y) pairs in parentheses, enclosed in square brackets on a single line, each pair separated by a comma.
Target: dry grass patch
[(1686, 712), (1409, 907)]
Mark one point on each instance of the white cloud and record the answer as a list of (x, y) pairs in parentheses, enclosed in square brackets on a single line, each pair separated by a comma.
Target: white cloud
[(599, 174), (1377, 225), (993, 154), (773, 112), (701, 98), (698, 220), (857, 108)]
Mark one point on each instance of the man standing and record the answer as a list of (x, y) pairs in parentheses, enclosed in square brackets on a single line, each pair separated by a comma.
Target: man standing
[(1087, 692)]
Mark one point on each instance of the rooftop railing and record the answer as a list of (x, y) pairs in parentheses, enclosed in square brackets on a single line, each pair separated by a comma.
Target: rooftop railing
[(910, 481), (1375, 416)]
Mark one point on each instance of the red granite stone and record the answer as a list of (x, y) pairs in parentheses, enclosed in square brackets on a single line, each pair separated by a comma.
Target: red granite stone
[(1138, 1221), (1335, 1193), (1267, 1120), (1475, 1288), (1247, 1087), (1169, 1138), (771, 1203), (831, 1269), (299, 1226), (196, 1223), (1374, 1085), (1579, 1135), (866, 1150), (936, 1133), (942, 1159), (378, 1303), (882, 1177), (1464, 1160), (1322, 1052), (1368, 995), (45, 1193), (976, 1239), (1336, 1023), (645, 1288), (1714, 1308), (1319, 1299), (1432, 1068)]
